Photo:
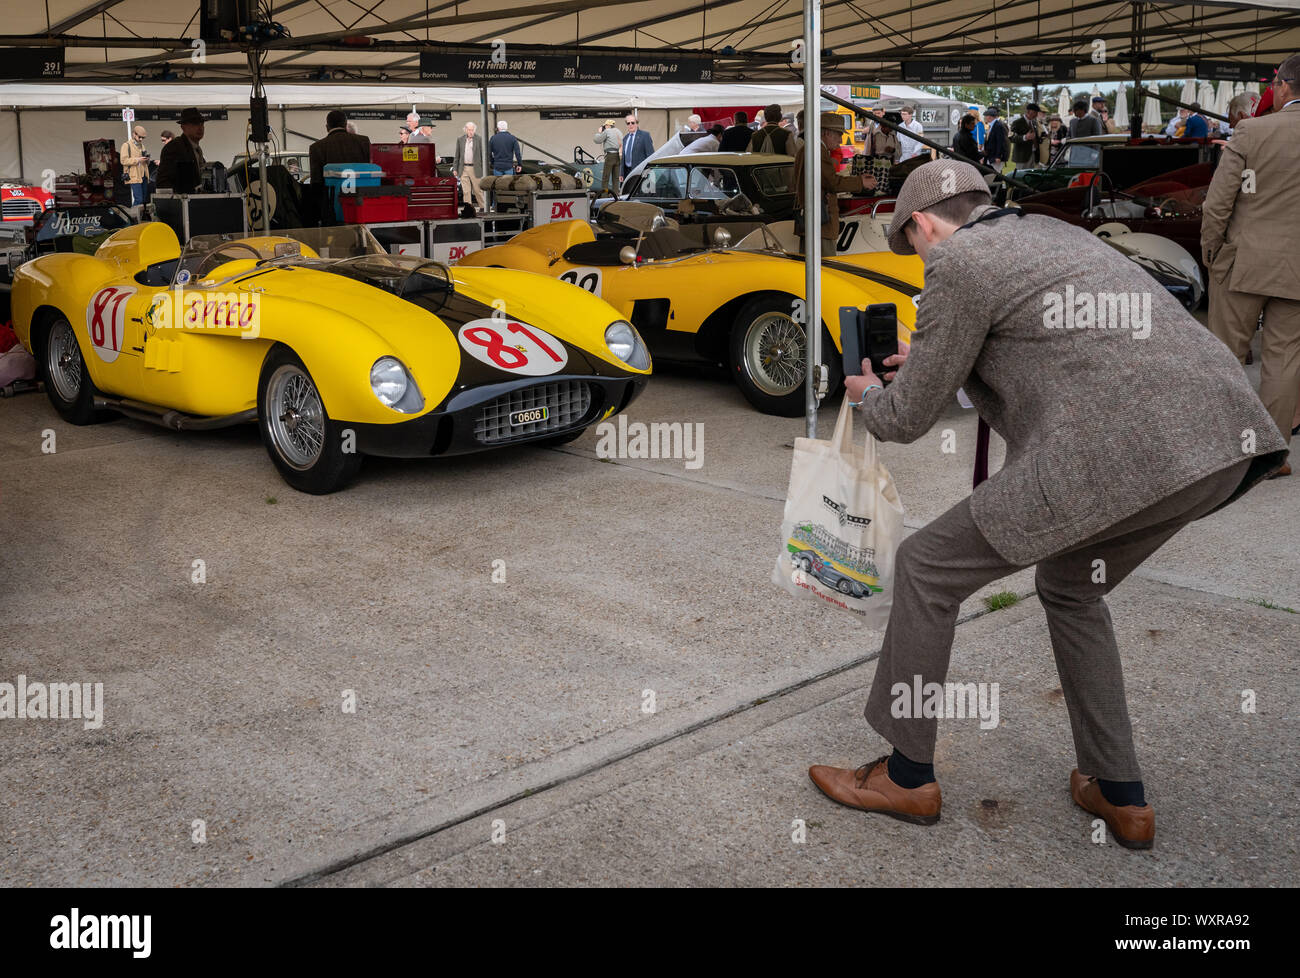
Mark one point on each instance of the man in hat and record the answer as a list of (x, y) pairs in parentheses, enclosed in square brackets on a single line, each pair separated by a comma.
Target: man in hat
[(135, 165), (180, 167), (1084, 122), (337, 146), (607, 140), (833, 184), (1089, 490), (997, 144), (1025, 135)]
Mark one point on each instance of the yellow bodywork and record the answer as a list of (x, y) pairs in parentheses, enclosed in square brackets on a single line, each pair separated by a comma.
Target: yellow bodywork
[(698, 285), (194, 348)]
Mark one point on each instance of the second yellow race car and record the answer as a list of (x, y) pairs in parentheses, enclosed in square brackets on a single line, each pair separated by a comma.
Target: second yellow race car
[(725, 293), (336, 348)]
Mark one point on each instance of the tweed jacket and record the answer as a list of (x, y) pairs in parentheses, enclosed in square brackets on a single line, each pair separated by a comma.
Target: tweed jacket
[(459, 161), (1252, 235), (1099, 422)]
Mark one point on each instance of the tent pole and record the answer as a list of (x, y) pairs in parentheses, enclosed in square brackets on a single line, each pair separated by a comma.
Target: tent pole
[(812, 173), (1135, 122), (18, 128)]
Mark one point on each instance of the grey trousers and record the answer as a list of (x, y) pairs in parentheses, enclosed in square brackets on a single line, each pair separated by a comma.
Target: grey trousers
[(941, 565)]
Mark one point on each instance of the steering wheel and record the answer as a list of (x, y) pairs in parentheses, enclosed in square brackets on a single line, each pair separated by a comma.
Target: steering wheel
[(211, 262)]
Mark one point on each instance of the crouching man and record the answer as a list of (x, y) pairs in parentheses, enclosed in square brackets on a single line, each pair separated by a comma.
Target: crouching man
[(1118, 435)]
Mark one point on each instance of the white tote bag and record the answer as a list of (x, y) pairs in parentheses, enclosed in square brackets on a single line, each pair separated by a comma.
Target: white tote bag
[(843, 524)]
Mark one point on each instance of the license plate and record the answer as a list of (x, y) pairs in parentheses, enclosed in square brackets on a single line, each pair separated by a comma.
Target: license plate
[(531, 416)]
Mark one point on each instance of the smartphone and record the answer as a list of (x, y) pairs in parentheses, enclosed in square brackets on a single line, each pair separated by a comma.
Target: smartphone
[(870, 333)]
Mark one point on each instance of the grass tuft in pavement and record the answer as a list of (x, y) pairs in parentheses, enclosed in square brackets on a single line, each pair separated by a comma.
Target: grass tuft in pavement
[(1003, 599)]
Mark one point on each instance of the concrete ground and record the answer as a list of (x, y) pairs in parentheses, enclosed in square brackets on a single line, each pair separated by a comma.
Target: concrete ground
[(515, 709)]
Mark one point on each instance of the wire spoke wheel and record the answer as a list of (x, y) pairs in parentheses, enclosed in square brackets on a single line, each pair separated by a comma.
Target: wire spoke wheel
[(775, 352), (63, 362), (296, 419)]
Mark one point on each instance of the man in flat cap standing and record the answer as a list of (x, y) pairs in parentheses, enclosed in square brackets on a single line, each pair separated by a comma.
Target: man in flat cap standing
[(1089, 490), (180, 166), (996, 142), (1025, 134)]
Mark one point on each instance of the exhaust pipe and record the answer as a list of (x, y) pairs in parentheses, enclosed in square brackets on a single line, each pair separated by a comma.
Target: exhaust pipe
[(174, 420)]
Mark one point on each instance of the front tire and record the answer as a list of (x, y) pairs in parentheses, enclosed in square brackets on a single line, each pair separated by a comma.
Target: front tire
[(303, 442), (768, 356), (67, 381)]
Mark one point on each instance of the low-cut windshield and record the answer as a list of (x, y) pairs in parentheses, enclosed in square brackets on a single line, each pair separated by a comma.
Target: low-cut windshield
[(205, 253)]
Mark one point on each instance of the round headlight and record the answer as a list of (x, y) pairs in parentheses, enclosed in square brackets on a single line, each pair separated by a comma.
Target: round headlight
[(388, 381), (625, 343)]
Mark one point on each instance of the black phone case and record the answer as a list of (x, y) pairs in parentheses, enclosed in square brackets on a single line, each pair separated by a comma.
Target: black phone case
[(870, 333)]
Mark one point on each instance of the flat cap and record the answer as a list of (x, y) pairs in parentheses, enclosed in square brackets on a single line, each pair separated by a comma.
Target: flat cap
[(832, 120), (993, 110), (925, 186)]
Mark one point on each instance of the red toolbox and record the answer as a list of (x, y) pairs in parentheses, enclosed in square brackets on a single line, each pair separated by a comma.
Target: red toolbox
[(374, 205), (432, 198), (405, 159)]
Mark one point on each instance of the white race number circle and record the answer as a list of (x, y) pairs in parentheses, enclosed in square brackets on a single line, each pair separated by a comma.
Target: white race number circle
[(586, 277), (512, 346), (106, 321)]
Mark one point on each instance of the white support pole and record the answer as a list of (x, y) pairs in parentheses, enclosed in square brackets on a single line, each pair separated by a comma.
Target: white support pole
[(812, 173)]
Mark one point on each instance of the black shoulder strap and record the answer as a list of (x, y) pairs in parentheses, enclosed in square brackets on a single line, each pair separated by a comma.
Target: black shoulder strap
[(992, 215)]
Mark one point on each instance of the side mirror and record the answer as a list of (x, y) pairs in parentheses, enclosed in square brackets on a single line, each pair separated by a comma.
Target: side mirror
[(658, 223), (627, 255)]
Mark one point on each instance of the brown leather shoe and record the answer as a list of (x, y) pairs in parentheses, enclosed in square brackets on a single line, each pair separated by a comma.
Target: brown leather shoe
[(1133, 826), (870, 789), (1284, 470)]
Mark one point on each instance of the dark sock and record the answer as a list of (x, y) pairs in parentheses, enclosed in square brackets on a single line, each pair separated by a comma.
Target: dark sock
[(1122, 792), (909, 774)]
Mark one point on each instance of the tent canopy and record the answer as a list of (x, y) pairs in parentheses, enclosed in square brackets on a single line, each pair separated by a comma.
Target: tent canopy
[(751, 39)]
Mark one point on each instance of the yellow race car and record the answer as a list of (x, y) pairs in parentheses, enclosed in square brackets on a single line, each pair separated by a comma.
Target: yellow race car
[(720, 292), (335, 347)]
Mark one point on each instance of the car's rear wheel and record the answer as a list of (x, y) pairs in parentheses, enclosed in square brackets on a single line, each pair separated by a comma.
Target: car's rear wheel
[(769, 353), (304, 443), (67, 381)]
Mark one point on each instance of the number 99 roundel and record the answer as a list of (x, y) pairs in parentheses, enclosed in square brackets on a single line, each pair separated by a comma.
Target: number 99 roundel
[(512, 346)]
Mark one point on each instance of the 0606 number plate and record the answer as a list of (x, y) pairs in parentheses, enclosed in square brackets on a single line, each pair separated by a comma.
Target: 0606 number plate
[(531, 416)]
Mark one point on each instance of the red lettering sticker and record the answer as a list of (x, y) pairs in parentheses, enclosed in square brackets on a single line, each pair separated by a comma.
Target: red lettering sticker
[(106, 321), (456, 251), (561, 208)]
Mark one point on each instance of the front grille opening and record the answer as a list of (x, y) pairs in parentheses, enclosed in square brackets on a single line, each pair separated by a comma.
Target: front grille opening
[(566, 402)]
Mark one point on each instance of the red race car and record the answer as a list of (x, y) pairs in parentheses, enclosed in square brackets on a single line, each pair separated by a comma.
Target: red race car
[(24, 204)]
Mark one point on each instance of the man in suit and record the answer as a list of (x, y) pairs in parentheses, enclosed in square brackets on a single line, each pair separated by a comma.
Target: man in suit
[(637, 145), (1025, 135), (997, 145), (735, 139), (180, 165), (1089, 489), (469, 164), (1248, 241), (337, 146), (1084, 122)]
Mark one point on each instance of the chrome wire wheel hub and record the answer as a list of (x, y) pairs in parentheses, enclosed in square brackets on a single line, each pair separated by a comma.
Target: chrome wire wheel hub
[(295, 417), (775, 353), (63, 362)]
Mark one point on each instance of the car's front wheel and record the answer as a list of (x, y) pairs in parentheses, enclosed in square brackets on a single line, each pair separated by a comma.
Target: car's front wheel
[(67, 381), (769, 353), (312, 452)]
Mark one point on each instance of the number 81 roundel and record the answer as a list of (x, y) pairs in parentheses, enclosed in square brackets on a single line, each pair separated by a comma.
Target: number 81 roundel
[(513, 346)]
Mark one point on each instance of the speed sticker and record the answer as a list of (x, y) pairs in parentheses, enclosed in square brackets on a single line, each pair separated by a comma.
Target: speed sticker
[(106, 321), (513, 346)]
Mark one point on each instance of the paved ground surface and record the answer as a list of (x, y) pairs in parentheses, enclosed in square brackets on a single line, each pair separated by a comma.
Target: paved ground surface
[(517, 707)]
